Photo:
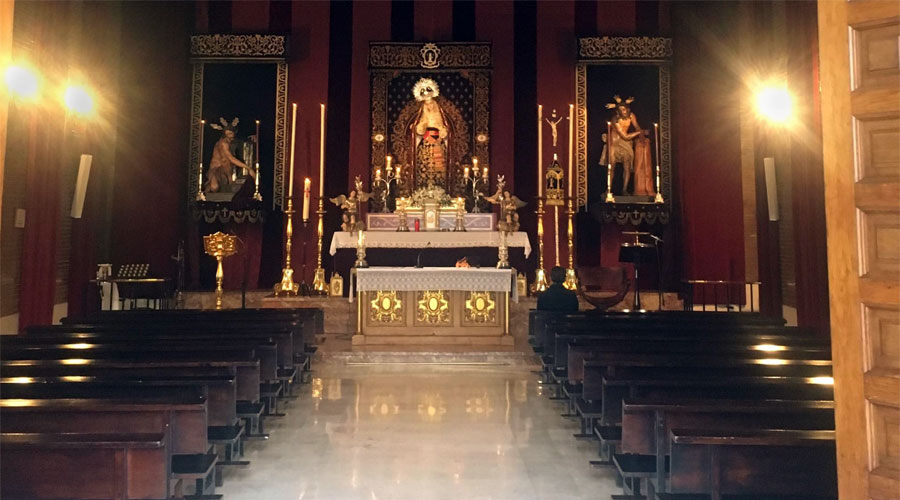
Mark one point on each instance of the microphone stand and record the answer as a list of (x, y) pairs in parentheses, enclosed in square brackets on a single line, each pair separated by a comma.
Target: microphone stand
[(656, 242)]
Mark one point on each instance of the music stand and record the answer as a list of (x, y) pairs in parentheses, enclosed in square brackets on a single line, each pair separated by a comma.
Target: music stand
[(636, 253)]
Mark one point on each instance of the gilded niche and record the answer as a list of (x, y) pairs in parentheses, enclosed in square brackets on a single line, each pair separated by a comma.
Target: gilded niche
[(433, 308), (386, 307)]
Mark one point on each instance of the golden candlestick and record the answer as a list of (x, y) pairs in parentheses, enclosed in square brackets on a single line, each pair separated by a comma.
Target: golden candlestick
[(571, 280), (219, 245), (540, 279), (503, 252), (287, 287), (319, 285)]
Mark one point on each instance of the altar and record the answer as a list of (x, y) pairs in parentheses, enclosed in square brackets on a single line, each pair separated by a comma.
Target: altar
[(433, 305), (429, 249)]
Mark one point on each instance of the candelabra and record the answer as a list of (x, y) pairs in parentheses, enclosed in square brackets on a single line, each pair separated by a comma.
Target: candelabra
[(540, 279), (287, 287), (571, 280), (390, 176), (219, 245), (476, 183), (318, 285)]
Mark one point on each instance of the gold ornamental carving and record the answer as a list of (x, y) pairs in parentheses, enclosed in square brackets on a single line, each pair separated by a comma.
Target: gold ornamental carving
[(625, 47), (481, 307), (238, 45), (432, 308), (429, 55), (386, 307)]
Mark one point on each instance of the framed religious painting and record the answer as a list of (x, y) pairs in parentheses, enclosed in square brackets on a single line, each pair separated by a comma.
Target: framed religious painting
[(623, 128), (430, 123), (238, 124)]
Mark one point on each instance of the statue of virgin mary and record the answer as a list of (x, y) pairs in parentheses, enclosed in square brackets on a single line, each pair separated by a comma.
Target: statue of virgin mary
[(430, 138)]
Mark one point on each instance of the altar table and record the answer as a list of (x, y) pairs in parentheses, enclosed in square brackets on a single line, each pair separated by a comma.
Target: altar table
[(417, 240), (433, 305)]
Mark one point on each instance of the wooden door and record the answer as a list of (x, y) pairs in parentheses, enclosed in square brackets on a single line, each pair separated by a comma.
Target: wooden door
[(860, 82)]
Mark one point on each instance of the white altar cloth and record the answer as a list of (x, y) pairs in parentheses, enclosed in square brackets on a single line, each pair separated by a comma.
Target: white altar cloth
[(402, 279), (446, 239)]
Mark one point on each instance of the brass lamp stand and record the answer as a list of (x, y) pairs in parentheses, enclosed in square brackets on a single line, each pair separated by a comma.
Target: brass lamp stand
[(287, 287), (319, 286), (571, 282), (219, 245), (540, 279)]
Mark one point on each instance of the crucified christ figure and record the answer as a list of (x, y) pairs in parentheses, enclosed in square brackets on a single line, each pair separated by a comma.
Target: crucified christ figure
[(553, 125)]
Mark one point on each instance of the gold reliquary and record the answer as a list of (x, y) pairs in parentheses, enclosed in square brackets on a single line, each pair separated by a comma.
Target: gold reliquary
[(555, 183)]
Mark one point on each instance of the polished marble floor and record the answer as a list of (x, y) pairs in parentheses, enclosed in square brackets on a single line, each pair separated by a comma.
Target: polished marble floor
[(422, 432)]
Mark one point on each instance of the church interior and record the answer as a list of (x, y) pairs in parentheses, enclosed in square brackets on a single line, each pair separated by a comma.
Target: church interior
[(450, 249)]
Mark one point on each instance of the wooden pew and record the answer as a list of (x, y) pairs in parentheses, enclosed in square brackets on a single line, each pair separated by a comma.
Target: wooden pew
[(134, 410), (580, 349), (646, 424), (244, 362), (549, 324), (308, 322), (241, 362), (593, 401), (263, 346), (758, 463), (85, 466)]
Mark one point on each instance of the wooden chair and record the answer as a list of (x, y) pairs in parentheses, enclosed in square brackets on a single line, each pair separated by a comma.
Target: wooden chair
[(603, 287)]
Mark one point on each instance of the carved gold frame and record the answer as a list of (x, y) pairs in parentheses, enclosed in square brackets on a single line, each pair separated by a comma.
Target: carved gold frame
[(239, 49), (607, 50), (481, 307), (386, 307), (433, 307), (388, 60)]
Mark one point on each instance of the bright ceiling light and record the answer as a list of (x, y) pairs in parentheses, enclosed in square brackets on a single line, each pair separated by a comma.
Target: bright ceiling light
[(79, 100), (21, 82), (774, 103)]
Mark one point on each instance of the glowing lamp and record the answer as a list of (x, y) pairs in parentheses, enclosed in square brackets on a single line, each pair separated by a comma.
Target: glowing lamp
[(21, 82), (774, 104), (78, 100)]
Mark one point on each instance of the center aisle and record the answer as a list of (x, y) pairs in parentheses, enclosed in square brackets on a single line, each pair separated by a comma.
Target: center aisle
[(379, 432)]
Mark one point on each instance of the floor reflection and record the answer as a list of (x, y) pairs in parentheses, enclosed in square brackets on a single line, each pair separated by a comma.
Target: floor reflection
[(420, 432)]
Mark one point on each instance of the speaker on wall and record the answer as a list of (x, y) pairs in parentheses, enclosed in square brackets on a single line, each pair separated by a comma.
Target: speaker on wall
[(84, 171), (771, 188)]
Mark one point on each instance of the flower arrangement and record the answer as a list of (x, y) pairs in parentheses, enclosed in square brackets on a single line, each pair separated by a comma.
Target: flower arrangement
[(417, 199)]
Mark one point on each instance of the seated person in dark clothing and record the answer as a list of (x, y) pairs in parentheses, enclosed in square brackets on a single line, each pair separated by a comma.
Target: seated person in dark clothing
[(556, 297)]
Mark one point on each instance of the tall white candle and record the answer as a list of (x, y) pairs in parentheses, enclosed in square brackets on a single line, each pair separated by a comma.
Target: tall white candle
[(306, 185), (322, 152), (293, 143), (257, 145), (200, 177), (540, 152), (571, 143), (256, 177)]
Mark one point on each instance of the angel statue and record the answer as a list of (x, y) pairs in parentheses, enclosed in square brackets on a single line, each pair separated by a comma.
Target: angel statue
[(350, 220), (509, 204), (222, 163), (431, 151)]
